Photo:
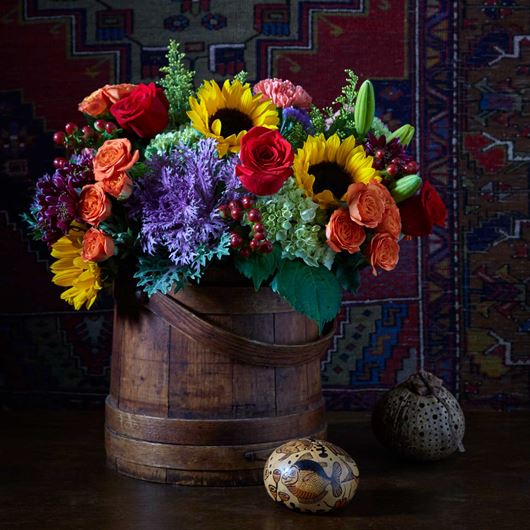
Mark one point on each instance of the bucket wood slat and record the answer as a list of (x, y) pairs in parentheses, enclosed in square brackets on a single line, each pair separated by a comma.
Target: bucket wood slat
[(202, 391)]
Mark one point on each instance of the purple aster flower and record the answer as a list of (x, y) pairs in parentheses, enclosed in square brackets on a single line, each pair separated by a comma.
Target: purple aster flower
[(57, 196), (177, 201), (301, 116)]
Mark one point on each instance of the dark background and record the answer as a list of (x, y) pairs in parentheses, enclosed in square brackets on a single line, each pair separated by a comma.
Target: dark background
[(457, 304)]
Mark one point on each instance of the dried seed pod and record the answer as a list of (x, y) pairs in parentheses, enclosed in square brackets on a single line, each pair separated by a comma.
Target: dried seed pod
[(420, 419)]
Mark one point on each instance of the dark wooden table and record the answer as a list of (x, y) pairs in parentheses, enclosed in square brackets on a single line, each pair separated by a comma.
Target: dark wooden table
[(53, 475)]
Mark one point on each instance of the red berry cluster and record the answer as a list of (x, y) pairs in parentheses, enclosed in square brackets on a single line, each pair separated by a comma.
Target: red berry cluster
[(397, 166), (241, 239), (74, 139)]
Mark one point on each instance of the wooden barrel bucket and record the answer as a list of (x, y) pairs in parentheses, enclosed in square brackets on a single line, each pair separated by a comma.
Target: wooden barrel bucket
[(206, 383)]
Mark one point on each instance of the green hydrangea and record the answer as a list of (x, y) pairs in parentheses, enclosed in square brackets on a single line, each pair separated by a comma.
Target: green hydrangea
[(163, 143), (297, 224)]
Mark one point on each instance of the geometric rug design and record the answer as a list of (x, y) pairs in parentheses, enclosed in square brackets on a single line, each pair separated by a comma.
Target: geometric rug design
[(458, 304)]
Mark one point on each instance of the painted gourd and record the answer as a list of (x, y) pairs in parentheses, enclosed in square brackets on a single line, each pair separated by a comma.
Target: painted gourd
[(420, 419), (311, 475)]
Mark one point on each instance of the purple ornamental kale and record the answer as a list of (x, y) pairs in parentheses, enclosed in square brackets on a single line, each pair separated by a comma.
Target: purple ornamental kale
[(57, 196), (177, 201)]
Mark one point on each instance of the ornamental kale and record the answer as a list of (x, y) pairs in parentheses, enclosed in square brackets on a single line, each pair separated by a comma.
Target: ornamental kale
[(177, 203)]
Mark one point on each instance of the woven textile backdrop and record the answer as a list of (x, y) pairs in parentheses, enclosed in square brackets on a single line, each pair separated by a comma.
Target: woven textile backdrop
[(458, 304)]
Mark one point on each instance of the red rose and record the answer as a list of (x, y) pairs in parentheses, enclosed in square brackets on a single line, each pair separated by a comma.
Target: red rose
[(144, 111), (265, 161), (420, 212)]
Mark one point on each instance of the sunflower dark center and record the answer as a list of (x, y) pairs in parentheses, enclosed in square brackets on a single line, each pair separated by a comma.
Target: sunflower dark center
[(233, 121), (330, 176)]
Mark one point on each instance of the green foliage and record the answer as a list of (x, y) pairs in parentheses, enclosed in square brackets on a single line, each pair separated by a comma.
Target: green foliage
[(33, 226), (158, 274), (137, 171), (294, 132), (259, 267), (343, 126), (318, 120), (177, 84), (340, 121), (241, 77), (348, 91), (313, 291), (347, 270)]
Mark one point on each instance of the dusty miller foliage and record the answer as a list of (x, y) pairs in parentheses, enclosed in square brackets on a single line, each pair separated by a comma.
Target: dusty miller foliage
[(177, 84), (158, 274)]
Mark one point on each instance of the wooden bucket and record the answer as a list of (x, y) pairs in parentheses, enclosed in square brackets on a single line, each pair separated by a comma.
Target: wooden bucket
[(206, 383)]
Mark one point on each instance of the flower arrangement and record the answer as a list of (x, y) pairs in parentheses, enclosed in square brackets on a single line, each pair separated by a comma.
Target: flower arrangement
[(178, 179)]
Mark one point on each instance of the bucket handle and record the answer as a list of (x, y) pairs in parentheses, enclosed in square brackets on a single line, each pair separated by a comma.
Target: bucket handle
[(241, 349)]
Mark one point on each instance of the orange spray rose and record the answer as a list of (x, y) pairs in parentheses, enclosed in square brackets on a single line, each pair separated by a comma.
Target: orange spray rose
[(391, 222), (116, 92), (384, 252), (94, 104), (111, 162), (100, 101), (94, 205), (366, 203), (97, 246), (344, 234)]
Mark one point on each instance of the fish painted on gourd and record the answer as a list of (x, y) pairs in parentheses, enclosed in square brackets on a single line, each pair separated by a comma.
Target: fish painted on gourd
[(308, 481)]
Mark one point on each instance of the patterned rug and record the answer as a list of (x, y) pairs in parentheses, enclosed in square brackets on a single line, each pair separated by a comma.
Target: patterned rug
[(458, 304)]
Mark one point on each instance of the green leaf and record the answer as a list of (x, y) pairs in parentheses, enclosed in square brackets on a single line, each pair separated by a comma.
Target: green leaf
[(259, 267), (347, 269), (313, 291), (137, 171)]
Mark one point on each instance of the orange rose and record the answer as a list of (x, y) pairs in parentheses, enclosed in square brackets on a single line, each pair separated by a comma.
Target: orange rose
[(94, 104), (116, 92), (101, 99), (111, 162), (94, 205), (344, 234), (119, 185), (383, 192), (366, 203), (384, 252), (97, 246), (391, 223)]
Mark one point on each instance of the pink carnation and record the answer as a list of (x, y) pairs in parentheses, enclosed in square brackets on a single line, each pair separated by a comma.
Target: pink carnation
[(283, 93)]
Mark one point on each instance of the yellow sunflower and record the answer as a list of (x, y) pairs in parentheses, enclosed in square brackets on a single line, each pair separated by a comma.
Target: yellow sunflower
[(71, 270), (227, 113), (325, 168)]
